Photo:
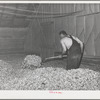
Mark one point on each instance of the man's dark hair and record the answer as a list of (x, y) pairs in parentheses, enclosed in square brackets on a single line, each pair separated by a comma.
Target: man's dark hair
[(63, 32)]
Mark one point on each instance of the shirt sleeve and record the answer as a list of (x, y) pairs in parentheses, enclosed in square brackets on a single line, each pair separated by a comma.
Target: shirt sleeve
[(63, 46)]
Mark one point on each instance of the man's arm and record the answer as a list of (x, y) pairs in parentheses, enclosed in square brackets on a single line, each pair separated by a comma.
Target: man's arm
[(64, 48)]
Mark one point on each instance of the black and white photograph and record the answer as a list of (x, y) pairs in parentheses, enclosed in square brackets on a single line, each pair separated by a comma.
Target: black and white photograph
[(50, 46)]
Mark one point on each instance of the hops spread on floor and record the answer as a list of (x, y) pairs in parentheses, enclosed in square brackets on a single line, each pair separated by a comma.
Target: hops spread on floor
[(55, 79), (6, 72), (31, 61)]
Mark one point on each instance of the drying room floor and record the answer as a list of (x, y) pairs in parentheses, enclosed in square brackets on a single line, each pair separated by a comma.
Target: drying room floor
[(16, 60), (51, 77)]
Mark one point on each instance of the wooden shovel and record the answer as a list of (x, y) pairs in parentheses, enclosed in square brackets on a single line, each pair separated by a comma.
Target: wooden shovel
[(54, 58)]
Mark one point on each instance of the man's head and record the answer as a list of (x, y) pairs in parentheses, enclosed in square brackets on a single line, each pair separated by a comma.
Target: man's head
[(63, 34)]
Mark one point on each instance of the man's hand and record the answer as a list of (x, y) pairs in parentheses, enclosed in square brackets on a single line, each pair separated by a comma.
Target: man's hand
[(60, 56), (64, 52)]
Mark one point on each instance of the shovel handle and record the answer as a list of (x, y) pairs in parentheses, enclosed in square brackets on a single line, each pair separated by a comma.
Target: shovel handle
[(54, 57)]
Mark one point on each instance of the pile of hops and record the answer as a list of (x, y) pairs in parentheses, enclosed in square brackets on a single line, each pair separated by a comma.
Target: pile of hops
[(55, 79), (31, 60)]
